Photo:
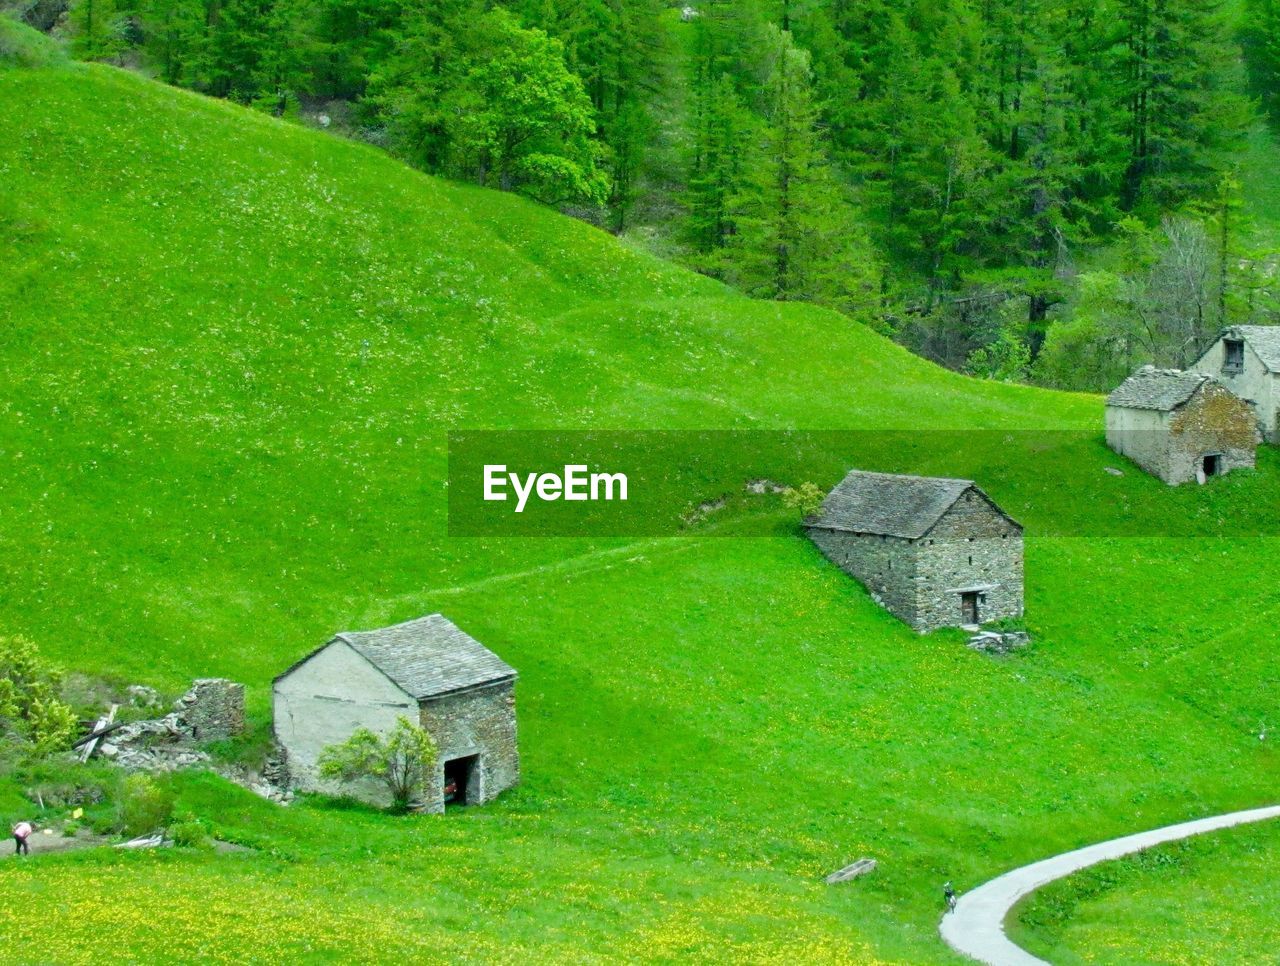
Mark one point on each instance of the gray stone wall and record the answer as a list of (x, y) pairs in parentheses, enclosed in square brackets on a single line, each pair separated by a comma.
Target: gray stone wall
[(1142, 435), (1171, 446), (1255, 384), (886, 566), (1214, 421), (972, 548), (479, 722), (213, 710), (322, 702)]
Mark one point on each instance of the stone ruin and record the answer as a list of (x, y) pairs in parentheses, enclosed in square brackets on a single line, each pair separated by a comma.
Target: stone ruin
[(211, 710)]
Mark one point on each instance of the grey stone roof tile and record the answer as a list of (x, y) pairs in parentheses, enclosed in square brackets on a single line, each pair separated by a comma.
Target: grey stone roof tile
[(888, 504), (427, 657), (1159, 389)]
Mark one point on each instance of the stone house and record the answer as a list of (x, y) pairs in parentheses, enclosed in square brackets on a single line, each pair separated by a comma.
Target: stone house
[(1181, 426), (935, 552), (1246, 359), (427, 670)]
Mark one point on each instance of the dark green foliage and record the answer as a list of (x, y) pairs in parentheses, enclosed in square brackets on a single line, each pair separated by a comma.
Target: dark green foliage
[(939, 169), (494, 103)]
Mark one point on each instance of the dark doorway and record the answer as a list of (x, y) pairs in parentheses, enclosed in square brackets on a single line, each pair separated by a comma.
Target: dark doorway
[(969, 607), (459, 773), (1212, 464)]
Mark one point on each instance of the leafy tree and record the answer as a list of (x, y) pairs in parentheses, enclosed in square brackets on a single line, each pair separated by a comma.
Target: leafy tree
[(1006, 359), (410, 93), (345, 40), (722, 155), (32, 717), (807, 498), (1262, 45), (1181, 109), (173, 35), (494, 102), (402, 760), (524, 121)]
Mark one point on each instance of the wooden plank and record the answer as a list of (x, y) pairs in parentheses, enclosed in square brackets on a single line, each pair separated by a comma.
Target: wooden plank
[(859, 868), (98, 730)]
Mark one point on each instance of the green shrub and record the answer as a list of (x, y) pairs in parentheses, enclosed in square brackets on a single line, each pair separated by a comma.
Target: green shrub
[(33, 718), (807, 498), (190, 831), (142, 806), (401, 760)]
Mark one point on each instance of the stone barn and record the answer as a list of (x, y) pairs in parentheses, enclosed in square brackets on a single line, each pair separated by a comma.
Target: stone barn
[(1181, 426), (1246, 359), (427, 670), (935, 552)]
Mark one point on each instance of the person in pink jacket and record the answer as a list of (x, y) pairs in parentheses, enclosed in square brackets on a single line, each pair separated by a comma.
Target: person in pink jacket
[(21, 832)]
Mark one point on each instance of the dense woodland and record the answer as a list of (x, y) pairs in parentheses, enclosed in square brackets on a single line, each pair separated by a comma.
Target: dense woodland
[(1027, 189)]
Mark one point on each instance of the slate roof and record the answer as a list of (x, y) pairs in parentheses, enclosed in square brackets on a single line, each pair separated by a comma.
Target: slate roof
[(1159, 389), (890, 505), (427, 657), (1263, 339)]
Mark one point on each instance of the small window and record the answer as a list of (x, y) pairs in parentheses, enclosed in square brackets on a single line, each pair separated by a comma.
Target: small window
[(1233, 355)]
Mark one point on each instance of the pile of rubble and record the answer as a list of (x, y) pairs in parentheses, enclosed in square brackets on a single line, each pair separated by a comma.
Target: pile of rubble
[(211, 710), (999, 642)]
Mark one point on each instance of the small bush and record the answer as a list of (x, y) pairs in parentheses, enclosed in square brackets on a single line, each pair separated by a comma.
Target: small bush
[(143, 806), (33, 719), (190, 831), (71, 829), (807, 498), (401, 760)]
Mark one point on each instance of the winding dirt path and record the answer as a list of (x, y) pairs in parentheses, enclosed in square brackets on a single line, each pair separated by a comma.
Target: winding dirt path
[(976, 928)]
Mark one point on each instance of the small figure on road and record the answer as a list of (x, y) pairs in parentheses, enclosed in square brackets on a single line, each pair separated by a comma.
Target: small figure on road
[(949, 895), (21, 832)]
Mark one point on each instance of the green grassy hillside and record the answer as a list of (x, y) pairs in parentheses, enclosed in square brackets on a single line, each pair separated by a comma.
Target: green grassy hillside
[(232, 349), (1211, 899)]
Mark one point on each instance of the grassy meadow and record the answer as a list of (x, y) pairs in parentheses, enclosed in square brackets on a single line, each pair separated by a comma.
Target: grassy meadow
[(233, 348), (1210, 899)]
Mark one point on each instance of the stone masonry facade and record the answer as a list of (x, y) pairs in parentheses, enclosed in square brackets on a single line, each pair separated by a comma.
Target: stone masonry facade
[(973, 548), (886, 566), (1172, 445), (1214, 421), (213, 710), (480, 722)]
